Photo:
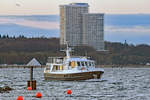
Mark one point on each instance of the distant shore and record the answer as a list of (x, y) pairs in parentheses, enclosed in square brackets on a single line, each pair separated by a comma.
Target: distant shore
[(123, 66), (21, 66), (20, 50)]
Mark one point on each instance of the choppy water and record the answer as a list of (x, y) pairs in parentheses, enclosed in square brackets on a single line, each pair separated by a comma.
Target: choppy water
[(116, 84)]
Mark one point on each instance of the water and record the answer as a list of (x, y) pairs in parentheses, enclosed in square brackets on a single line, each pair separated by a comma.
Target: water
[(116, 84)]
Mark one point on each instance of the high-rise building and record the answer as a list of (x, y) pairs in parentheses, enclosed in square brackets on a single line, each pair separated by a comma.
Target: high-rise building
[(71, 23), (93, 30), (79, 27)]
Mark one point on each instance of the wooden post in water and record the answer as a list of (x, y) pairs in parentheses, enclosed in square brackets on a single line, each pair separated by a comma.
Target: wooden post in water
[(31, 82), (31, 73)]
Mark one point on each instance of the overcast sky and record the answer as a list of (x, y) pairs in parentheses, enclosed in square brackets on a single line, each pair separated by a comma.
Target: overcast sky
[(30, 7)]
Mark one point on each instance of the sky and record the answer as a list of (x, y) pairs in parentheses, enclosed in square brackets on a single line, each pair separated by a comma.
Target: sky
[(42, 7), (124, 19), (135, 28)]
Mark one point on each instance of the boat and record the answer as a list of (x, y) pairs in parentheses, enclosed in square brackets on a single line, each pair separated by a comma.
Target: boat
[(71, 68)]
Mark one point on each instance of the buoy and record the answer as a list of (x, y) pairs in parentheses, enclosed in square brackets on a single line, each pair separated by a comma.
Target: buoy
[(69, 92), (19, 98), (38, 95), (29, 88)]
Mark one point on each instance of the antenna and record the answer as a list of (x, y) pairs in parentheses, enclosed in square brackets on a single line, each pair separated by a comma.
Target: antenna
[(68, 50), (67, 45)]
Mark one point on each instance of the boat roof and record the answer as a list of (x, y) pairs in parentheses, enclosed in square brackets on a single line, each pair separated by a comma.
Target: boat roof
[(78, 59)]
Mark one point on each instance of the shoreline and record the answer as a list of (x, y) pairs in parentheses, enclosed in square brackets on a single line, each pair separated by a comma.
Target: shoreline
[(21, 66), (123, 66)]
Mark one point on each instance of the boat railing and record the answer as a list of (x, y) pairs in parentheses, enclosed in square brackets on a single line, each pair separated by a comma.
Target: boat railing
[(56, 60)]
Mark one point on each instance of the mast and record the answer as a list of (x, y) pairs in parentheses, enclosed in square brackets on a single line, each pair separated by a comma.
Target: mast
[(68, 50)]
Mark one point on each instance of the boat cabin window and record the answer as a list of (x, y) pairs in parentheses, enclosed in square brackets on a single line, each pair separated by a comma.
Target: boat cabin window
[(82, 63), (90, 63), (47, 68), (57, 67), (72, 64), (86, 64), (93, 64), (78, 63), (69, 63)]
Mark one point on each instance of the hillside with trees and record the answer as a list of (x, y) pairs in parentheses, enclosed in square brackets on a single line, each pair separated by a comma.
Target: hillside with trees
[(21, 50)]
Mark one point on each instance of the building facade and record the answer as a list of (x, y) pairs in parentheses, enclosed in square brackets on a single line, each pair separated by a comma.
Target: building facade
[(93, 30), (71, 23), (78, 27)]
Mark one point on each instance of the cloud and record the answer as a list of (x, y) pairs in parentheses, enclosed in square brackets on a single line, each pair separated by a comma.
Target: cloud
[(135, 30), (31, 23), (134, 34)]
